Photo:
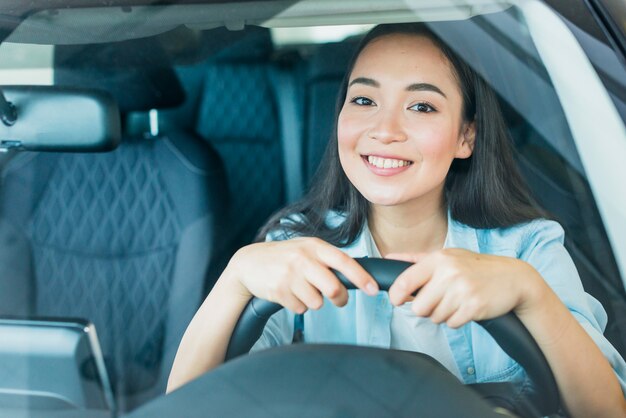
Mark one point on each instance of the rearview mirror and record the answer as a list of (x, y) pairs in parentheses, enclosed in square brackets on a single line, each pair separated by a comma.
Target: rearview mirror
[(53, 118)]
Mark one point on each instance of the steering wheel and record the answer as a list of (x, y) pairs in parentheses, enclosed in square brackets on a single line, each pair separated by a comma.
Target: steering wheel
[(507, 330)]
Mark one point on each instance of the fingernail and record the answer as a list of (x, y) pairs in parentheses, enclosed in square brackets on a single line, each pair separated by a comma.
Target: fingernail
[(371, 289)]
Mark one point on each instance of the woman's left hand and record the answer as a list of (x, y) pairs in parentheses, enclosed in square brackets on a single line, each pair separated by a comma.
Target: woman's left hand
[(456, 286)]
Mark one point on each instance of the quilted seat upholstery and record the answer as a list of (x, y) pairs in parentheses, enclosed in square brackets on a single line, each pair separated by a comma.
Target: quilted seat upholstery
[(116, 239), (236, 112), (123, 238), (238, 117)]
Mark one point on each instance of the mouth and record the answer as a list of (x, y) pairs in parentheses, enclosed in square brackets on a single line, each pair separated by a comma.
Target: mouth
[(385, 163)]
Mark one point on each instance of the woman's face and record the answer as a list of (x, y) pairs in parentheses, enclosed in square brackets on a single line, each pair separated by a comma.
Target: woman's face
[(401, 126)]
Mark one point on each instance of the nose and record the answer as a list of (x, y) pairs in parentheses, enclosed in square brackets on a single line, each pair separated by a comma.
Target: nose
[(387, 126)]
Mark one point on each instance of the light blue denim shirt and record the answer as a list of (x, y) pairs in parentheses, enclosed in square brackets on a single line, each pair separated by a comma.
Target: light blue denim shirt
[(366, 320)]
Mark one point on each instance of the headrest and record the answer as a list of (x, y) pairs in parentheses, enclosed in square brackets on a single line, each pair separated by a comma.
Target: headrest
[(254, 44), (237, 104), (136, 73), (239, 76), (330, 61)]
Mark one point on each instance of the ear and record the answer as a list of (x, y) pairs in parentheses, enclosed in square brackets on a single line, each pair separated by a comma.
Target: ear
[(467, 137)]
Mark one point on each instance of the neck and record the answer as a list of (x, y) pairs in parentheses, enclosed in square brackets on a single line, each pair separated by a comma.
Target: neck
[(413, 227)]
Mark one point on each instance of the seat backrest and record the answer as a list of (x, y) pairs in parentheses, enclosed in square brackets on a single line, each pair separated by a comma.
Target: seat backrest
[(123, 238), (236, 112)]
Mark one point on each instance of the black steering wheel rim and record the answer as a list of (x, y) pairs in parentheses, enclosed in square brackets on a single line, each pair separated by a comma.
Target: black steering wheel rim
[(507, 330)]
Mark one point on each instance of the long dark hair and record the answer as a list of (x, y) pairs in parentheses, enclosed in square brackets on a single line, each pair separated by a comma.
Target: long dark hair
[(484, 191)]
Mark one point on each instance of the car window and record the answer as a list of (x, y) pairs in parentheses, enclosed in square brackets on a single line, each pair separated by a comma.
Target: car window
[(25, 64)]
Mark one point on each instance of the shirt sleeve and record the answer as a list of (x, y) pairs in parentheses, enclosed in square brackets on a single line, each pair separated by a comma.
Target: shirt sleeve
[(545, 251)]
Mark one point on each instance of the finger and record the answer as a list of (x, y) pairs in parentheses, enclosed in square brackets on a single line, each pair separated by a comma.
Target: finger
[(338, 260), (408, 282), (291, 302), (409, 258), (307, 294), (459, 318), (444, 310), (327, 283), (428, 299)]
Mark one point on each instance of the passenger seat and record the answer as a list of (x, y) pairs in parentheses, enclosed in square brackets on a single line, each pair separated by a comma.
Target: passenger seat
[(123, 238)]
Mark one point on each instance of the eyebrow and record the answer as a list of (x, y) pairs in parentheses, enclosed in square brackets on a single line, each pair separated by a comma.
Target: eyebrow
[(411, 87)]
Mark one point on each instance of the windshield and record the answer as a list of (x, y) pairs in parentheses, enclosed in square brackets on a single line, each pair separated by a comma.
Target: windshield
[(211, 117)]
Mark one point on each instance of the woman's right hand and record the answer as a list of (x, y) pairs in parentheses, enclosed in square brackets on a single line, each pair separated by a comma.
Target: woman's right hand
[(296, 273)]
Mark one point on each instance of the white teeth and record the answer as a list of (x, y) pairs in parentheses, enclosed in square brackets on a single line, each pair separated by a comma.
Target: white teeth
[(386, 162)]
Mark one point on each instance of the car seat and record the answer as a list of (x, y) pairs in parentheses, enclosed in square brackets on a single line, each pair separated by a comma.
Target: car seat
[(232, 104), (122, 238)]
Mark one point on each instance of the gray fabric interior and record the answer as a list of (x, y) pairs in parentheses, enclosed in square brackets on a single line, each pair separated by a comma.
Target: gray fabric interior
[(237, 114), (237, 104), (16, 283), (104, 234)]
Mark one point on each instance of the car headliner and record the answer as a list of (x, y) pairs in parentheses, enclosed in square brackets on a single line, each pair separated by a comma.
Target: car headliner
[(69, 22)]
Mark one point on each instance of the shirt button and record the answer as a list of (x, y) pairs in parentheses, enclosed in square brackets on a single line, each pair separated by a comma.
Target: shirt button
[(470, 370)]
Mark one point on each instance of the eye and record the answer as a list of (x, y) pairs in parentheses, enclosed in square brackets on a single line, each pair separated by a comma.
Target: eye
[(423, 108), (362, 101)]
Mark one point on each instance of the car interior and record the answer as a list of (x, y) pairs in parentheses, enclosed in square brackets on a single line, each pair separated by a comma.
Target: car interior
[(220, 129)]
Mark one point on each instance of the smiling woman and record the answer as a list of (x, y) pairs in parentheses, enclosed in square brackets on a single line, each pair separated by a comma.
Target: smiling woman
[(395, 112), (479, 245), (482, 191)]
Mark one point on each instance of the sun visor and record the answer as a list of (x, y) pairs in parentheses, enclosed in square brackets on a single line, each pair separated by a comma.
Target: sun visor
[(51, 118)]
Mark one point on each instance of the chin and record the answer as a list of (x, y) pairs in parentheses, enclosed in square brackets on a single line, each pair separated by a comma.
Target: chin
[(383, 199)]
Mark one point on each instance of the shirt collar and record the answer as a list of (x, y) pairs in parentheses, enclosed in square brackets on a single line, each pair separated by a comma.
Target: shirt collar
[(458, 236), (461, 236)]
